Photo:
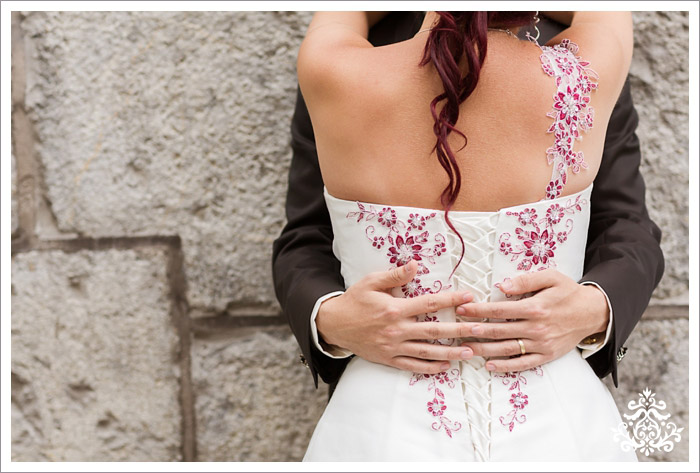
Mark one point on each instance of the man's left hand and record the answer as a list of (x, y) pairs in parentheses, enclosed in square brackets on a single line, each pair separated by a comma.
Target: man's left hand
[(550, 323)]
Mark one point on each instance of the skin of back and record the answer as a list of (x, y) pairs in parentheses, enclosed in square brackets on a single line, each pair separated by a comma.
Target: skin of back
[(370, 109)]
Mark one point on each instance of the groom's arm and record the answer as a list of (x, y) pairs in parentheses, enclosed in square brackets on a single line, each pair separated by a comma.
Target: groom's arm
[(303, 265), (623, 255)]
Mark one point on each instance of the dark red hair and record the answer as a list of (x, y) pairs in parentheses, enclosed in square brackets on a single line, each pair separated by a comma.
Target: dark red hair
[(457, 35)]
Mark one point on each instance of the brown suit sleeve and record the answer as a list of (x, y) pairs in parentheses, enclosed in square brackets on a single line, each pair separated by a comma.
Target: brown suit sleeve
[(303, 265), (622, 253)]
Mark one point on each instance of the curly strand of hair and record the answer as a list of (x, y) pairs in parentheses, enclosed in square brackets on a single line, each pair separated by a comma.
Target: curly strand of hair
[(447, 43), (457, 35)]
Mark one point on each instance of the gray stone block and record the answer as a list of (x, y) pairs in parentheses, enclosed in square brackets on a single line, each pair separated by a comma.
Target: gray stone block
[(659, 79), (13, 205), (170, 123), (657, 359), (254, 401), (94, 358)]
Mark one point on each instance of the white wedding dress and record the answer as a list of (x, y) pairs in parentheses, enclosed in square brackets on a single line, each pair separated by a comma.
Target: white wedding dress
[(560, 411)]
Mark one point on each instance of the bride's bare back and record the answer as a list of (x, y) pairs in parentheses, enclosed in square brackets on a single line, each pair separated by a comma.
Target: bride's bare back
[(370, 109)]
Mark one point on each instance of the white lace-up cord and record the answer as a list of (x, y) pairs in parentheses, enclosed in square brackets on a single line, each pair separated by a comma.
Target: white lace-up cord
[(474, 274)]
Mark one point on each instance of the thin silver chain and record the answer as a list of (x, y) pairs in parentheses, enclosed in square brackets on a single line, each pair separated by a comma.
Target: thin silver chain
[(509, 32)]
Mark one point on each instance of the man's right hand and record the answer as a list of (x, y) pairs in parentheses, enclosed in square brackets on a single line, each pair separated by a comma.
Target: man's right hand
[(367, 320)]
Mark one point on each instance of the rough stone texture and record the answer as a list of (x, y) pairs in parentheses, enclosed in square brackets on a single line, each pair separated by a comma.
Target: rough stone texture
[(657, 359), (255, 401), (94, 371), (659, 79), (13, 205), (170, 123)]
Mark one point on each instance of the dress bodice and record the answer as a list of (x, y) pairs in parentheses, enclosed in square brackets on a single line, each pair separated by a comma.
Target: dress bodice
[(550, 233)]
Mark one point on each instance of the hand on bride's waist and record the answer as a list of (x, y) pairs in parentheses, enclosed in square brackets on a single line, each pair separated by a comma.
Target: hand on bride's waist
[(373, 324), (549, 324)]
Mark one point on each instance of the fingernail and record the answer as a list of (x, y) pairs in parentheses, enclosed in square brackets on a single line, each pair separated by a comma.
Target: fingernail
[(445, 366), (466, 354), (461, 310), (466, 296), (477, 330), (507, 284), (490, 366)]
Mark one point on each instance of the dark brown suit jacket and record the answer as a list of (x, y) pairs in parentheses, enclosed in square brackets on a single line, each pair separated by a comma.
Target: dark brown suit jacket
[(623, 254)]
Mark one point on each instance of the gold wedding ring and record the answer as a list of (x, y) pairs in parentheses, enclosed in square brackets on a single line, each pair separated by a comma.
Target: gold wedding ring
[(522, 346)]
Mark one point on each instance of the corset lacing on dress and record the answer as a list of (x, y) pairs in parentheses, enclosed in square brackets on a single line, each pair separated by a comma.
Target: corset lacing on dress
[(474, 274)]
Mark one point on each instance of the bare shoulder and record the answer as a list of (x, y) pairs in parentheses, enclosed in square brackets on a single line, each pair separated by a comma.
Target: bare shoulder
[(332, 68), (605, 40)]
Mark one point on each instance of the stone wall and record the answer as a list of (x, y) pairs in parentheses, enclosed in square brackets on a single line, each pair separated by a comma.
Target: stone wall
[(149, 165)]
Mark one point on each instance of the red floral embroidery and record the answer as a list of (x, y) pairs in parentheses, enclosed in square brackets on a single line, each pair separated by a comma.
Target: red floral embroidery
[(404, 241), (539, 237), (518, 399), (571, 110), (437, 406)]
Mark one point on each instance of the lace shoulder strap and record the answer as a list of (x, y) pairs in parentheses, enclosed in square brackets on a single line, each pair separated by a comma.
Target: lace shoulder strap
[(571, 110)]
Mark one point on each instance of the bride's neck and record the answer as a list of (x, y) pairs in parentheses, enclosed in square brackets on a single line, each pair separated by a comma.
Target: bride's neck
[(430, 20)]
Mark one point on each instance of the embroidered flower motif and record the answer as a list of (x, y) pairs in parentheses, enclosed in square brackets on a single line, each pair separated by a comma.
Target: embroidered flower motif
[(575, 161), (437, 406), (404, 251), (586, 84), (571, 111), (407, 241), (539, 237), (569, 104), (505, 247), (527, 216), (387, 217), (554, 189), (378, 242), (412, 288), (417, 221), (518, 400), (540, 247), (439, 248), (555, 213), (563, 143), (566, 65)]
